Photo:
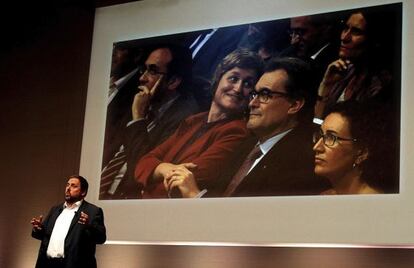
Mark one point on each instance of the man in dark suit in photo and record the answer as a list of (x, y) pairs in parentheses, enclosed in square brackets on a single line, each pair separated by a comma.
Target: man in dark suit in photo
[(279, 159), (281, 113), (314, 39), (164, 98), (71, 230), (122, 89)]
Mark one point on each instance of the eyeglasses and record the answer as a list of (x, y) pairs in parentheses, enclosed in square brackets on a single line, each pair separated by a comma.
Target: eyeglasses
[(329, 139), (151, 70), (265, 95)]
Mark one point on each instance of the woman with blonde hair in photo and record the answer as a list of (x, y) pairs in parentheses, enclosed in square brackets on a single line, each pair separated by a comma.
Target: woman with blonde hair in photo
[(204, 143)]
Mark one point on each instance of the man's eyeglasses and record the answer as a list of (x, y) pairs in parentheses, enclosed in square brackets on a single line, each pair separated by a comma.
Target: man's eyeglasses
[(265, 95), (151, 70), (329, 139)]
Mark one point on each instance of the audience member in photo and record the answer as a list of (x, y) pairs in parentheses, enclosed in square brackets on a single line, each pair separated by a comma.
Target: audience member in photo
[(313, 38), (356, 150), (279, 159), (122, 88), (362, 70), (161, 101), (124, 64), (205, 143)]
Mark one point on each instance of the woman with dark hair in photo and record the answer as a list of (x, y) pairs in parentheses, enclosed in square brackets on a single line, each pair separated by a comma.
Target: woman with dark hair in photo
[(356, 150), (368, 55), (204, 143)]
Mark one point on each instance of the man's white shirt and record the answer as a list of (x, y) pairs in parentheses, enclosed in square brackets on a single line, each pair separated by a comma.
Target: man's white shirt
[(56, 248)]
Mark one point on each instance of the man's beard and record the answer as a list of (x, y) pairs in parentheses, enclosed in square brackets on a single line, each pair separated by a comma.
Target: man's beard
[(71, 199)]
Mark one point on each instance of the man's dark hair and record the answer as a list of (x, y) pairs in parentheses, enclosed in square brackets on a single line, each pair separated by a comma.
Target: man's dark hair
[(83, 183), (300, 84), (135, 55), (180, 66)]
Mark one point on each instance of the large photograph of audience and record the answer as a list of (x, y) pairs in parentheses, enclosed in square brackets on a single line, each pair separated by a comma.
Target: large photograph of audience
[(307, 105)]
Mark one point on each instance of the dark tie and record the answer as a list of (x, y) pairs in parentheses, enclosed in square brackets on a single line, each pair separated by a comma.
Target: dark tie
[(242, 172), (111, 171)]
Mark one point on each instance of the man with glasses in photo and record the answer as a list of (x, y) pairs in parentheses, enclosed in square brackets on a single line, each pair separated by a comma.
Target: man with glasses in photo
[(314, 39), (279, 160), (162, 101)]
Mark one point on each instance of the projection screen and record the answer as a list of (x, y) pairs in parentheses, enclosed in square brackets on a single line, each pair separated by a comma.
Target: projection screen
[(354, 220)]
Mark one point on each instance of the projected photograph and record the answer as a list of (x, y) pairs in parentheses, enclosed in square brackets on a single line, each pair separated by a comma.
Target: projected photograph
[(306, 105)]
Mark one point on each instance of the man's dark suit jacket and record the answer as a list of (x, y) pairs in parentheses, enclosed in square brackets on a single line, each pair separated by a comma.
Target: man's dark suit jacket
[(81, 240), (320, 63), (287, 169)]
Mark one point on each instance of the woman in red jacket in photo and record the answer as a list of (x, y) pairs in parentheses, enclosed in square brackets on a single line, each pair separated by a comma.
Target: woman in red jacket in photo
[(204, 143)]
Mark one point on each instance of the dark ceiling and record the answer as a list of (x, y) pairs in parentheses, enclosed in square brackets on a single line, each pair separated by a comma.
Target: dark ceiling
[(21, 24)]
